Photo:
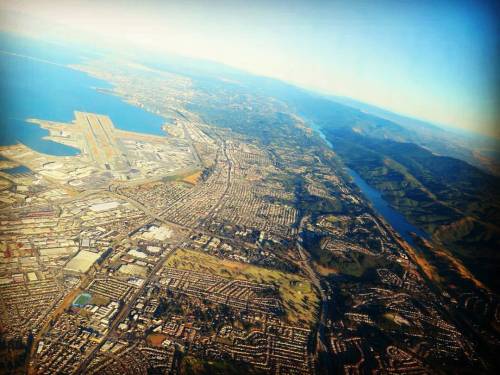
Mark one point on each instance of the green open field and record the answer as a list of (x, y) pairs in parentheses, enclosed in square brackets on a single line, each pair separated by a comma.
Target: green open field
[(195, 366), (82, 299), (299, 298)]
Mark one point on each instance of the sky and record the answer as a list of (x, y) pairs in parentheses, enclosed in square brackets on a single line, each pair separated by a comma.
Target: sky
[(432, 60)]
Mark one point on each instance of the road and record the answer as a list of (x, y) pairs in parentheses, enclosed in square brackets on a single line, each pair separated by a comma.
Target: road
[(324, 292), (67, 300), (125, 310), (216, 206)]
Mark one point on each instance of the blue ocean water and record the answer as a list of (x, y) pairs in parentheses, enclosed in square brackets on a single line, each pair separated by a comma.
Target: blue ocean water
[(33, 88)]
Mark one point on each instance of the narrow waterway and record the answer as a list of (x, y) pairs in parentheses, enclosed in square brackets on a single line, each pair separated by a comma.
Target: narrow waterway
[(391, 215)]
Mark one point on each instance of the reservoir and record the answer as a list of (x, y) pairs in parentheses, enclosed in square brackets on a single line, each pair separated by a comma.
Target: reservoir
[(32, 87), (393, 217)]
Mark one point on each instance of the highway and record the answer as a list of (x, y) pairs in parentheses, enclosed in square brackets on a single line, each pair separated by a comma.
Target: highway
[(123, 313), (305, 264)]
